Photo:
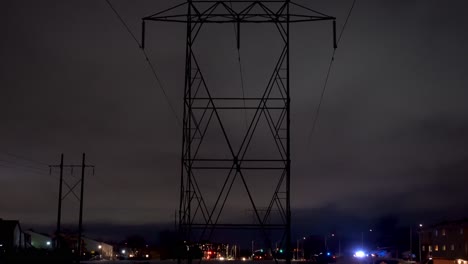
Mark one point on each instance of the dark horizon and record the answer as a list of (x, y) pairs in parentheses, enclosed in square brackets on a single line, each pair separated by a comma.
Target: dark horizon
[(306, 223)]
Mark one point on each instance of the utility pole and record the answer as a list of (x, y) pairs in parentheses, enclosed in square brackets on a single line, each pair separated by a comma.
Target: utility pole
[(362, 239), (297, 249), (80, 223), (339, 246), (175, 220), (419, 240), (59, 210), (252, 249), (71, 188), (325, 240), (411, 242)]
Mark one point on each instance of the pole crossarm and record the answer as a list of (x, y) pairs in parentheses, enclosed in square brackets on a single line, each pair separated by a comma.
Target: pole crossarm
[(71, 188), (239, 12)]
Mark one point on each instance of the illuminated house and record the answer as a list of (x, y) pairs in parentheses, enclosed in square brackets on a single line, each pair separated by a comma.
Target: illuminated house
[(446, 242)]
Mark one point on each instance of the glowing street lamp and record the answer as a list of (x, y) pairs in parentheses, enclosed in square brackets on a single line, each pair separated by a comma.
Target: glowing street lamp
[(419, 238)]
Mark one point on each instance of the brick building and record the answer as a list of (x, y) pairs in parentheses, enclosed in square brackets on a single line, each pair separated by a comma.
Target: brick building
[(446, 241)]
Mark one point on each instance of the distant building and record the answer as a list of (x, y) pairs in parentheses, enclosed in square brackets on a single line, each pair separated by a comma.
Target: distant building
[(11, 237), (39, 240), (96, 248), (446, 242)]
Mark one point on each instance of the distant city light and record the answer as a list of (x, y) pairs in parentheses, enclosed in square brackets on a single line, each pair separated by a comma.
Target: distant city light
[(221, 258), (243, 259), (370, 230), (147, 256), (328, 254), (99, 246), (359, 254), (420, 225), (123, 251), (48, 243)]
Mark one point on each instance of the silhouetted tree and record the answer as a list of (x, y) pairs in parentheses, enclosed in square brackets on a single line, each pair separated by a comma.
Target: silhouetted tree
[(385, 228), (135, 242)]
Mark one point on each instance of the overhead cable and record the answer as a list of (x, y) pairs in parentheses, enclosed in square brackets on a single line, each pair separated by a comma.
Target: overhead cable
[(151, 65), (325, 84)]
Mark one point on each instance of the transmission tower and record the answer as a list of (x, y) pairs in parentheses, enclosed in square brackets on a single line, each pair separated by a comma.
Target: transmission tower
[(205, 114)]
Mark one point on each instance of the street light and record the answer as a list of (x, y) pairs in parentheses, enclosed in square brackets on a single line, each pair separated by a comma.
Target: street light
[(100, 251), (303, 253), (297, 248), (419, 238), (333, 235), (362, 237)]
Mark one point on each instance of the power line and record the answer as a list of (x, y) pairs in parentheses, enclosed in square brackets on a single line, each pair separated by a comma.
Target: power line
[(237, 34), (123, 22), (346, 21), (19, 164), (325, 84), (151, 65), (24, 168), (153, 70), (89, 162), (24, 158)]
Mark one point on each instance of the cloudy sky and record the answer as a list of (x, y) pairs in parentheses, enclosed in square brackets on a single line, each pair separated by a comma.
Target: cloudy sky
[(391, 136)]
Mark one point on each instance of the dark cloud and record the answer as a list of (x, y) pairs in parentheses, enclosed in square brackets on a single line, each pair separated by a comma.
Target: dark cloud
[(391, 135)]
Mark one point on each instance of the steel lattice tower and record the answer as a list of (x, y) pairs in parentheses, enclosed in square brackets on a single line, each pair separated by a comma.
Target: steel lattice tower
[(197, 217)]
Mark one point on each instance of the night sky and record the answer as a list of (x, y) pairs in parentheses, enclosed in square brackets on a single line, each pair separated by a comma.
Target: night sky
[(391, 137)]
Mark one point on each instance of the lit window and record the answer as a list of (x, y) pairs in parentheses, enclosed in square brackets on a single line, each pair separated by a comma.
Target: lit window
[(423, 248), (443, 248), (452, 247), (443, 232), (436, 248), (430, 248)]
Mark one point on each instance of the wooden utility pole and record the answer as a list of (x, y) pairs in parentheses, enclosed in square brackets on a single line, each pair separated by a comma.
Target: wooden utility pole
[(61, 197)]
